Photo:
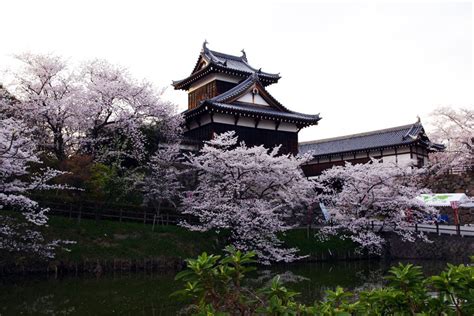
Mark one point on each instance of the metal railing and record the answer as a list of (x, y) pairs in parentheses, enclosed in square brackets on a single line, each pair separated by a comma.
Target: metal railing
[(439, 229)]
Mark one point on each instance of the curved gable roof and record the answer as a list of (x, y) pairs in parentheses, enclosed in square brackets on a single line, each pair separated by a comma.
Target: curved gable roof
[(227, 103), (213, 61), (390, 137)]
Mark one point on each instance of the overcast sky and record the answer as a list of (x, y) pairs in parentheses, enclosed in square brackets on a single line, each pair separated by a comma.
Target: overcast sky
[(363, 65)]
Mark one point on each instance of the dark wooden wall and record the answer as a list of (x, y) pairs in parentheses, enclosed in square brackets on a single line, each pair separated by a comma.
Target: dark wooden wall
[(208, 91), (314, 169), (251, 136)]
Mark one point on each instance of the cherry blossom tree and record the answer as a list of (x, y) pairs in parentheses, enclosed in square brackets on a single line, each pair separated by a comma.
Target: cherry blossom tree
[(250, 191), (118, 107), (49, 102), (96, 109), (455, 129), (18, 152), (383, 194), (161, 182)]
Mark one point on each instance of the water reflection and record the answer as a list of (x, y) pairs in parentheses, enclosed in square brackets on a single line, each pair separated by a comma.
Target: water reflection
[(145, 294), (133, 294)]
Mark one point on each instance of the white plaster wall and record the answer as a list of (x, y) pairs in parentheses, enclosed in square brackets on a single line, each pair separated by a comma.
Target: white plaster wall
[(257, 99), (287, 127), (209, 78), (391, 159), (373, 154), (361, 155), (389, 152), (222, 118), (404, 160), (403, 151), (264, 124), (246, 121), (348, 156)]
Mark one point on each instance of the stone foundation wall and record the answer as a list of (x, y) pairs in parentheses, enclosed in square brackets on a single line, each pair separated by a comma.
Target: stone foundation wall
[(443, 247), (454, 183), (466, 215), (158, 264)]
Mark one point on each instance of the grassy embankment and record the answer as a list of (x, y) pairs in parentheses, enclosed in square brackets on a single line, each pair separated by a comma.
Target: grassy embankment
[(112, 240)]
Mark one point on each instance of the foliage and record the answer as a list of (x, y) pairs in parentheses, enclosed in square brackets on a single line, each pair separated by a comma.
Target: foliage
[(455, 129), (214, 285), (47, 94), (384, 194), (109, 183), (118, 106), (97, 109), (216, 281), (18, 153), (455, 286), (251, 191), (161, 182)]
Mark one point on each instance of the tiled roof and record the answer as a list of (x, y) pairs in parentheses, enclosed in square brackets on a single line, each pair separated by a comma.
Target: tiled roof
[(391, 137), (237, 90), (224, 63), (224, 103), (234, 62), (266, 111), (244, 86)]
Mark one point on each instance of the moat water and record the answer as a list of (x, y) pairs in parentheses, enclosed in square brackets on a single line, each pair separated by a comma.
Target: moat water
[(149, 294)]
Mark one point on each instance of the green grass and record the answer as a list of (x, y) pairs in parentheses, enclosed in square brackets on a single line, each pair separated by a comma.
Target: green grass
[(309, 243), (108, 240), (127, 240)]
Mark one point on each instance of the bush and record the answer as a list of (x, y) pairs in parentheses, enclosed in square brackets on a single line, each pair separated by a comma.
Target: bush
[(215, 285)]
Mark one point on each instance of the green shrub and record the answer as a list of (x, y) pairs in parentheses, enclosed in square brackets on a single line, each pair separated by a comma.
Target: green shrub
[(215, 285)]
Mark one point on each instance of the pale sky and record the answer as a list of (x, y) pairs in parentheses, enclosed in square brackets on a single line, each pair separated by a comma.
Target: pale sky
[(362, 65)]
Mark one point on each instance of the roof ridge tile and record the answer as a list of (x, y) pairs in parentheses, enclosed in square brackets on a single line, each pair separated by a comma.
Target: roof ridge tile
[(363, 134)]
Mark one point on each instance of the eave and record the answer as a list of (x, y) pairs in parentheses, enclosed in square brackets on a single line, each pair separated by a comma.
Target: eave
[(287, 117), (185, 83)]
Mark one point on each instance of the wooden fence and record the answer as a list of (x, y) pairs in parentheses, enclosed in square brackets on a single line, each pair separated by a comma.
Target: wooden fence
[(80, 209)]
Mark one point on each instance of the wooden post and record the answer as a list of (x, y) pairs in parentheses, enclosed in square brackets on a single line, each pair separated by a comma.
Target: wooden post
[(437, 227), (80, 213), (416, 227), (120, 215), (96, 212)]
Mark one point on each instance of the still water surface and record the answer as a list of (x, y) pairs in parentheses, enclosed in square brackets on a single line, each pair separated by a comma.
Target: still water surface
[(148, 294)]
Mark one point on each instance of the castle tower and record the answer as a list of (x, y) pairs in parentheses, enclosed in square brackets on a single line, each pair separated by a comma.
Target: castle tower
[(226, 93)]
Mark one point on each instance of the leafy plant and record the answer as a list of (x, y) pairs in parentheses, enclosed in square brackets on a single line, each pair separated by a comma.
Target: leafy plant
[(215, 285)]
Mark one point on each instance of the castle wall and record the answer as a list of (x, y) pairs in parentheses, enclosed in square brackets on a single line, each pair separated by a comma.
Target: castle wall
[(250, 135)]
